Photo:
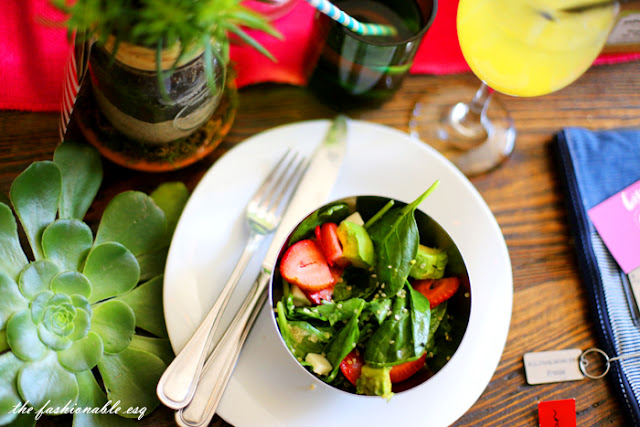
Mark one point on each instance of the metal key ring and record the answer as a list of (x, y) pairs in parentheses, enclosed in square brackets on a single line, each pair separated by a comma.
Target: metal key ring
[(584, 363)]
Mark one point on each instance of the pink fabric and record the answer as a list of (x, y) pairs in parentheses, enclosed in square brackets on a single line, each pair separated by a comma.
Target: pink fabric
[(33, 54)]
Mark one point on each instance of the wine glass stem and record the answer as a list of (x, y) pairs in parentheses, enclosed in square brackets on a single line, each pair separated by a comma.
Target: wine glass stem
[(468, 119)]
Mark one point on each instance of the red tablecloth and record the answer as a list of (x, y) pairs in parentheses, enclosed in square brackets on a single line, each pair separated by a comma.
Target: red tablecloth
[(33, 53)]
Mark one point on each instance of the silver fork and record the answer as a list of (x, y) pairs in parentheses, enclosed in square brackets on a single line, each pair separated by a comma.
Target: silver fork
[(177, 385)]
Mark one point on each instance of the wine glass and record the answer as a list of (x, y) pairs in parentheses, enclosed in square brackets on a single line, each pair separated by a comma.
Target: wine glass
[(517, 47)]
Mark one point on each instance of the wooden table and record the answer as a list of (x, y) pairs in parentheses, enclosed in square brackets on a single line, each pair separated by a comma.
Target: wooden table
[(550, 309)]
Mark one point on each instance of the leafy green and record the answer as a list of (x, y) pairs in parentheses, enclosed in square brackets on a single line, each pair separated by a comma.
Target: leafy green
[(301, 337), (334, 212), (331, 312), (391, 343), (356, 283), (345, 341), (420, 311), (396, 238)]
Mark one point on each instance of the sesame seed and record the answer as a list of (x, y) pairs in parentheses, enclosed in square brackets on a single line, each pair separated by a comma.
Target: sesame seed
[(378, 311), (354, 345), (391, 341), (349, 287), (382, 286), (312, 386), (389, 266), (350, 361), (397, 317), (467, 295), (423, 265), (374, 275), (339, 305), (383, 294), (413, 261)]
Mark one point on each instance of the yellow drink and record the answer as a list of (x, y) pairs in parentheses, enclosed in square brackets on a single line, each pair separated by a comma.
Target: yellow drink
[(515, 49)]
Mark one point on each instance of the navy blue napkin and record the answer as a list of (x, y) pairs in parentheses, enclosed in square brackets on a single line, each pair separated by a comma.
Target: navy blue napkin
[(595, 166)]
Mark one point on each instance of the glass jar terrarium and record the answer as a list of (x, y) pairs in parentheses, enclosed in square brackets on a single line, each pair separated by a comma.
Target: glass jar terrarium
[(153, 121)]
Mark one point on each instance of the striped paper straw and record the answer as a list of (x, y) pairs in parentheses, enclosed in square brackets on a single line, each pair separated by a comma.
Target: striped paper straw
[(357, 27)]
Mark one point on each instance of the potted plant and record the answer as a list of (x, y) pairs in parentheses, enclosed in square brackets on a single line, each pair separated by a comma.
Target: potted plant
[(159, 72)]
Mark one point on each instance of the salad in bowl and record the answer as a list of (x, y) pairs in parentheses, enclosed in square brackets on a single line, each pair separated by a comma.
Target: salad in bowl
[(371, 295)]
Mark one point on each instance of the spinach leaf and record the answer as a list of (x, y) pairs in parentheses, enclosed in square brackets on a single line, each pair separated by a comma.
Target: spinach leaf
[(331, 312), (379, 308), (420, 311), (301, 337), (437, 316), (342, 344), (396, 238), (334, 212), (392, 342), (356, 283)]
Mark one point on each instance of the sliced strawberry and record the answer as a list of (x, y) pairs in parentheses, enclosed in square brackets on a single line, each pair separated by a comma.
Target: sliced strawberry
[(304, 265), (407, 369), (437, 291), (336, 272), (327, 238), (318, 296), (351, 366)]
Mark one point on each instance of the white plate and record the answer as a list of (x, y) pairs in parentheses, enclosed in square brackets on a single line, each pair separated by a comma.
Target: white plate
[(266, 387)]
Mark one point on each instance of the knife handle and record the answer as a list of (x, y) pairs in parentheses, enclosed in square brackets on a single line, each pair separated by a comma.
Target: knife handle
[(219, 367), (177, 384)]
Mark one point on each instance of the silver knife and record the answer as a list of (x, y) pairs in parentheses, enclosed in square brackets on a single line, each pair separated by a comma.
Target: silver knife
[(312, 191)]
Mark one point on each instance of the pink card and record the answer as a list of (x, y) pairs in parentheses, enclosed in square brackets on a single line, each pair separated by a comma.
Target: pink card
[(617, 220)]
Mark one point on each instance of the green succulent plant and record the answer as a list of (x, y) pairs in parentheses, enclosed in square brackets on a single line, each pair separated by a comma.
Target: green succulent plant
[(81, 320)]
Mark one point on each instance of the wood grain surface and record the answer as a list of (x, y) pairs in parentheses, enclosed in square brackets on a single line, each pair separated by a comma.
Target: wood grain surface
[(550, 310)]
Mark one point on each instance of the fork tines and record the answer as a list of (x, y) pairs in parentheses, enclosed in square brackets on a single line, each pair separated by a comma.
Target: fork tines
[(279, 184)]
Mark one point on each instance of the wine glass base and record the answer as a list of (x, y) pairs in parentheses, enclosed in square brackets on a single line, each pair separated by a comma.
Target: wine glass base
[(473, 148)]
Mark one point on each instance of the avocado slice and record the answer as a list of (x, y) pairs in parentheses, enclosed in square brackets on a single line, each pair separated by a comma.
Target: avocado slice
[(375, 381), (298, 297), (357, 246), (430, 263)]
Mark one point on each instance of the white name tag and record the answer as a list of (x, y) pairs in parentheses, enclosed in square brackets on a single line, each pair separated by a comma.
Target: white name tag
[(552, 366)]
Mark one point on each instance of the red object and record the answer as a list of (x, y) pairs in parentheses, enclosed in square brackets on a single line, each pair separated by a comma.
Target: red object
[(318, 296), (407, 369), (33, 55), (437, 291), (351, 366), (557, 413), (304, 265), (327, 238)]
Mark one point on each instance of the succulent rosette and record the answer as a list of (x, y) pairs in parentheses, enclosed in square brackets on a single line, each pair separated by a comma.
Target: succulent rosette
[(81, 319)]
